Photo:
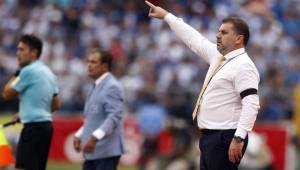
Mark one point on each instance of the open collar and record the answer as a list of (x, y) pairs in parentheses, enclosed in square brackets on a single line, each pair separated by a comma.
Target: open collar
[(234, 53), (101, 78)]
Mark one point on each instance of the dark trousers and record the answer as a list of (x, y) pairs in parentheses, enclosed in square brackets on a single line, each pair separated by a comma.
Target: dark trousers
[(34, 145), (102, 164), (214, 146)]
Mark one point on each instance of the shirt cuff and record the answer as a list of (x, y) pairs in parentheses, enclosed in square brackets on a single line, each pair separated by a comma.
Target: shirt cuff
[(79, 132), (99, 134), (241, 133), (170, 17)]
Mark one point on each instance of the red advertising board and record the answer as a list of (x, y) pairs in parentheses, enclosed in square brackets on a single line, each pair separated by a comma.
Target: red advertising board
[(277, 139), (64, 128), (61, 146)]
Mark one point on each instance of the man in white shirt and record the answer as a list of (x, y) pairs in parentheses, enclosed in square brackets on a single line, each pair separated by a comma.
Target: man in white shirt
[(228, 103)]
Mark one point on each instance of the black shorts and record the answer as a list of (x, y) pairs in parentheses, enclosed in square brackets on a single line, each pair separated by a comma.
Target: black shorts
[(34, 145)]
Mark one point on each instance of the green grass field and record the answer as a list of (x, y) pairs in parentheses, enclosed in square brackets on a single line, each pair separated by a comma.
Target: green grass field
[(58, 165), (62, 165), (52, 165)]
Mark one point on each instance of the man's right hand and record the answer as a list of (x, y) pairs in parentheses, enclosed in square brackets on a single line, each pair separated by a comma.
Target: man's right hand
[(156, 11), (76, 144)]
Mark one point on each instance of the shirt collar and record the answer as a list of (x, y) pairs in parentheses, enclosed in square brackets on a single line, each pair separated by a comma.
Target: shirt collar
[(101, 78), (234, 53), (35, 62)]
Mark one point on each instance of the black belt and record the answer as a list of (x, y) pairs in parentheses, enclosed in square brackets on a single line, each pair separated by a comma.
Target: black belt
[(32, 124), (211, 131)]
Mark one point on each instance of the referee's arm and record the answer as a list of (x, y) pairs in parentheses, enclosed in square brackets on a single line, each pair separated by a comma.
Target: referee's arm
[(10, 93), (56, 103)]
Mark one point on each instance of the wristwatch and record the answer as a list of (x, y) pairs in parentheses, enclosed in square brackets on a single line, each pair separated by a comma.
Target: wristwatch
[(238, 139)]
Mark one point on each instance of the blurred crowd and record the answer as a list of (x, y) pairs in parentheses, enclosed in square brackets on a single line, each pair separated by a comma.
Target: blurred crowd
[(161, 76), (155, 67)]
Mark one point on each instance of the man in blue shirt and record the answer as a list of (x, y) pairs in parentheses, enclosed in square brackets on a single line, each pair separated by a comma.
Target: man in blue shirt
[(37, 88)]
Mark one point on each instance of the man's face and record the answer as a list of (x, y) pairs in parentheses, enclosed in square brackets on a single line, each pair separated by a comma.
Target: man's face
[(24, 54), (95, 67), (227, 39)]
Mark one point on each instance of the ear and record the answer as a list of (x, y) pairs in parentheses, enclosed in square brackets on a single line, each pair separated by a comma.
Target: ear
[(34, 54), (240, 39), (105, 66)]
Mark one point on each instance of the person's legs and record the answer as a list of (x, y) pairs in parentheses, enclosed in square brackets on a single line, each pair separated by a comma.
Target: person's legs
[(101, 164), (34, 145), (202, 163), (24, 151), (88, 165), (45, 143), (107, 163), (207, 143), (214, 146)]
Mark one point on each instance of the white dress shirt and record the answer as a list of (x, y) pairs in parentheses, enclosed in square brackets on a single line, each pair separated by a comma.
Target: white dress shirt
[(222, 106), (98, 133)]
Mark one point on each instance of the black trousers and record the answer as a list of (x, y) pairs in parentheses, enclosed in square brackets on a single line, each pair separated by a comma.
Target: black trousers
[(214, 146), (110, 163), (34, 145)]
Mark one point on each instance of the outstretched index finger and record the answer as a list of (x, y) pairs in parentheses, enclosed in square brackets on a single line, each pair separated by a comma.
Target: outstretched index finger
[(150, 4)]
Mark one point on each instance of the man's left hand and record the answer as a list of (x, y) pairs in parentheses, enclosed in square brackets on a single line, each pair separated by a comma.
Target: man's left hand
[(235, 152), (90, 145)]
